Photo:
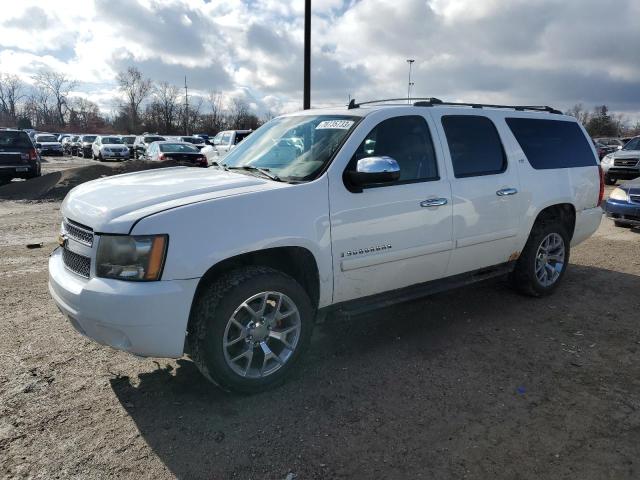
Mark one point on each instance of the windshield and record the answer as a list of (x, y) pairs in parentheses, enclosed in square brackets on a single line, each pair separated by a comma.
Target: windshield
[(633, 144), (128, 139), (14, 139), (153, 139), (111, 140), (89, 138), (46, 138), (294, 148), (177, 147)]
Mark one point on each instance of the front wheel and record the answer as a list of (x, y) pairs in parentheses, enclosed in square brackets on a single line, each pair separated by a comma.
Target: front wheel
[(544, 260), (250, 329)]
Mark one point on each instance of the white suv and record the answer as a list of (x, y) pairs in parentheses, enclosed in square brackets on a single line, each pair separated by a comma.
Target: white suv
[(344, 209)]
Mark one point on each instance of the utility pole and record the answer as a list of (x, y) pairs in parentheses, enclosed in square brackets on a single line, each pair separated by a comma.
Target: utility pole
[(306, 102), (410, 62), (186, 103)]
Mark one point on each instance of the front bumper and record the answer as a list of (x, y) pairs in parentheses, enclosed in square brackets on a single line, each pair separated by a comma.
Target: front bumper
[(622, 211), (144, 318), (622, 173), (115, 156)]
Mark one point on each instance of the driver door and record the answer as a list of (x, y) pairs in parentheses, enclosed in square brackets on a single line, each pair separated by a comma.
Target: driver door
[(392, 235)]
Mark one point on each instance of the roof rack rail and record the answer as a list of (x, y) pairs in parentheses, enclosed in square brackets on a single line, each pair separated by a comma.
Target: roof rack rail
[(431, 101), (353, 104)]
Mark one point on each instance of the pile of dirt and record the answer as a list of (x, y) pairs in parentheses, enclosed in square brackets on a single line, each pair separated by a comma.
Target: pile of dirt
[(56, 185)]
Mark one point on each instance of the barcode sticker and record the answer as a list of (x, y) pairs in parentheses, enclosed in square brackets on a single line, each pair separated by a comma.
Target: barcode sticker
[(335, 125)]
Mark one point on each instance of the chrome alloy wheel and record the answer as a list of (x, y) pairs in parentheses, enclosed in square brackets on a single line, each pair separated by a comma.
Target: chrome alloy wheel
[(550, 259), (261, 335)]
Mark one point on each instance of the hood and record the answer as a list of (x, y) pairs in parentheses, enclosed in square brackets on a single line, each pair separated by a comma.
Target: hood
[(114, 204), (114, 145), (626, 154)]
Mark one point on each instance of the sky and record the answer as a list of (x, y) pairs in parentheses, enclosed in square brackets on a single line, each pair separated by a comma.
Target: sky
[(550, 52)]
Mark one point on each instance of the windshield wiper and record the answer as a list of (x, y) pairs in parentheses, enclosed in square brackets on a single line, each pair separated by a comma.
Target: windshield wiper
[(250, 168)]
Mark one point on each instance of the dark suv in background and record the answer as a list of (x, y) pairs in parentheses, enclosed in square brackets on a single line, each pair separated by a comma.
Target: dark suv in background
[(142, 142), (18, 156)]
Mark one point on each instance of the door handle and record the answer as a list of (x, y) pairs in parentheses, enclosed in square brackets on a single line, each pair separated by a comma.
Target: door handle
[(434, 202), (506, 192)]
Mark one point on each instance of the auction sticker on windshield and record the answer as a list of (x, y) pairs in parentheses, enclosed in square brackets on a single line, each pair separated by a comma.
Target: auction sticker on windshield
[(335, 124)]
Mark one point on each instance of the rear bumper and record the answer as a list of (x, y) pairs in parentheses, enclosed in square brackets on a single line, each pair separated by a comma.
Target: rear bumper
[(587, 222), (623, 212), (19, 171), (145, 318)]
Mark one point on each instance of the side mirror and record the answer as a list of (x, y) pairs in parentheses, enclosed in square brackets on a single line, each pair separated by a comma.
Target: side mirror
[(373, 170)]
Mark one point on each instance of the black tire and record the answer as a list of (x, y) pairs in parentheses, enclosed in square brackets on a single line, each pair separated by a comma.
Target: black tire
[(618, 223), (100, 158), (523, 277), (609, 180), (214, 307)]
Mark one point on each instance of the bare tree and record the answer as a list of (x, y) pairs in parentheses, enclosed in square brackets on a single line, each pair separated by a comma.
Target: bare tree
[(11, 88), (58, 85), (578, 111), (166, 96), (135, 89)]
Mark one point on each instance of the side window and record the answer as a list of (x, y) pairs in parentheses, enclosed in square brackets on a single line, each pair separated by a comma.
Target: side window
[(552, 143), (226, 138), (408, 141), (474, 145)]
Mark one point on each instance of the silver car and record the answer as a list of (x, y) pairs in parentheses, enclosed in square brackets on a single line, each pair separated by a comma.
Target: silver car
[(623, 164)]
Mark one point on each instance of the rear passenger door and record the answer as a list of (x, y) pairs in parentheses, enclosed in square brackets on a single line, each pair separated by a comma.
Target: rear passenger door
[(485, 191)]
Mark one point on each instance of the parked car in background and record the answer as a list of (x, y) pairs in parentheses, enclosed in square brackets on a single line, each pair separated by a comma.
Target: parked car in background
[(18, 156), (223, 143), (622, 164), (72, 145), (603, 149), (385, 203), (85, 145), (623, 204), (179, 151), (66, 142), (203, 136), (129, 141), (106, 147), (197, 141), (48, 144), (617, 143), (62, 136), (142, 142)]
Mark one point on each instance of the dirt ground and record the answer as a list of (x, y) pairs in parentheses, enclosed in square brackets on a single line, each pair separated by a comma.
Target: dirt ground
[(475, 383)]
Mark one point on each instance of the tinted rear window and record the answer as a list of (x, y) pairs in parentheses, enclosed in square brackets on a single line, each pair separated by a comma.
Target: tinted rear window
[(474, 145), (14, 140), (153, 139), (552, 143)]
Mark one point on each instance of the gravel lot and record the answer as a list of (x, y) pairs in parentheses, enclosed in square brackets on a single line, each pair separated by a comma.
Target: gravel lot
[(474, 383)]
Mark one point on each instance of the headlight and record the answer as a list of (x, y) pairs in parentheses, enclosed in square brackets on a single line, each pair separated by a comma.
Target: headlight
[(607, 159), (137, 258), (619, 194)]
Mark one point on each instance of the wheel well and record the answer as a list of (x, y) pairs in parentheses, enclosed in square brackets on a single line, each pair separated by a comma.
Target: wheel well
[(565, 213), (297, 262)]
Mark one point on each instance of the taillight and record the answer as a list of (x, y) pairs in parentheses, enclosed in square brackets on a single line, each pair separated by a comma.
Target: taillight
[(203, 161), (33, 155), (601, 195)]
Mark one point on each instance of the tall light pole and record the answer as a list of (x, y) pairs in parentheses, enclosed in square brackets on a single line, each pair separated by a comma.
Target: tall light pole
[(306, 101), (186, 104), (410, 62)]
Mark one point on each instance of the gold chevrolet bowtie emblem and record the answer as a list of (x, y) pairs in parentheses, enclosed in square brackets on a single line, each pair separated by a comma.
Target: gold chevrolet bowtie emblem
[(62, 239)]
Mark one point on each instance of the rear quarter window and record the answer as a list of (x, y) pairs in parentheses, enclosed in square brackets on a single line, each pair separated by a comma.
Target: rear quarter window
[(552, 143)]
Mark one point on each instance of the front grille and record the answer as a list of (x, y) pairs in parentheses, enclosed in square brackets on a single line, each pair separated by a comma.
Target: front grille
[(78, 264), (78, 232), (634, 198), (625, 162)]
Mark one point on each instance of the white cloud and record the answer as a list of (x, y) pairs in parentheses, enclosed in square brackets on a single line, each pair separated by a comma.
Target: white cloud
[(548, 51)]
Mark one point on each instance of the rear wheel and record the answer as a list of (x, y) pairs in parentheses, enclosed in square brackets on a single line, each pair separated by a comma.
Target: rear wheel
[(250, 329), (544, 260), (609, 180)]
